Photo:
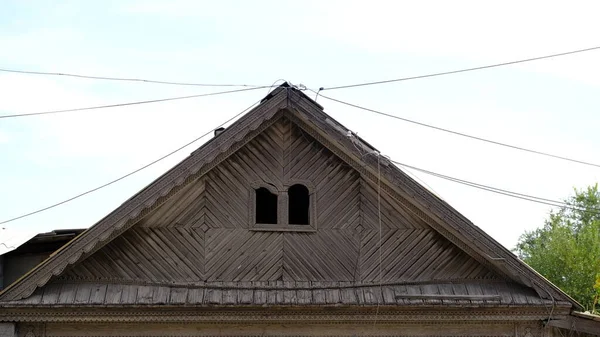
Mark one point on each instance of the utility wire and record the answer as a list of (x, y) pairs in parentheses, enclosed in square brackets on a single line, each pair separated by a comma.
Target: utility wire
[(522, 196), (130, 173), (129, 103), (124, 79), (461, 70), (462, 134)]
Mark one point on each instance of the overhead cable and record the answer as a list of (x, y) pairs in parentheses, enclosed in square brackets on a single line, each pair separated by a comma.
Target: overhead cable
[(512, 194), (130, 173), (460, 70), (124, 79), (515, 147), (129, 103)]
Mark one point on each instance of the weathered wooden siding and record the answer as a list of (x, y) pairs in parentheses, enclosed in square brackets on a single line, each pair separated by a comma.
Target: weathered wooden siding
[(202, 233), (467, 293)]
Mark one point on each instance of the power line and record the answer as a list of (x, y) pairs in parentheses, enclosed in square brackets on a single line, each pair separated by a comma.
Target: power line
[(124, 79), (130, 173), (129, 103), (462, 134), (461, 70), (517, 195)]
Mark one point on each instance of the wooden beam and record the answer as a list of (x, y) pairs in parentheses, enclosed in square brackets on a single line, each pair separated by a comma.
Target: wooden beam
[(450, 297)]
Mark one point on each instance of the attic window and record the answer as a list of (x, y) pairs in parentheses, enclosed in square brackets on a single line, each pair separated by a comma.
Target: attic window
[(266, 206), (288, 207), (298, 205)]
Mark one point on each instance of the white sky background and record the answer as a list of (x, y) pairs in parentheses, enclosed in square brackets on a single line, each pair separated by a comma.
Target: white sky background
[(550, 105)]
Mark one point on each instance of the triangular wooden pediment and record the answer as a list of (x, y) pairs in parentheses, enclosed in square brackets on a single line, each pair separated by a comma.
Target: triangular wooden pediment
[(372, 224), (204, 232)]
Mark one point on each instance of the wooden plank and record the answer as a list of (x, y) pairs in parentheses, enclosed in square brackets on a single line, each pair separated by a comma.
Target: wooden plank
[(113, 294), (160, 295), (413, 290), (271, 294), (474, 289), (159, 252), (505, 293), (360, 295), (373, 295), (213, 295), (195, 296), (461, 289), (304, 296), (447, 290), (433, 292), (332, 295), (245, 296), (389, 297), (144, 294), (400, 292), (347, 294), (98, 293), (178, 253), (134, 260), (290, 296), (82, 295), (178, 296), (129, 294), (230, 294), (260, 295), (490, 289), (51, 293), (67, 294), (318, 295)]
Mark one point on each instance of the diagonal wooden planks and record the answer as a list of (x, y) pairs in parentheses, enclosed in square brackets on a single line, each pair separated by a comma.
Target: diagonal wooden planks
[(415, 255), (147, 254), (202, 233), (241, 255), (328, 255)]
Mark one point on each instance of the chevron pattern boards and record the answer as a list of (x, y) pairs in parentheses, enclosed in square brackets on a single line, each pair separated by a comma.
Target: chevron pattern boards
[(204, 232)]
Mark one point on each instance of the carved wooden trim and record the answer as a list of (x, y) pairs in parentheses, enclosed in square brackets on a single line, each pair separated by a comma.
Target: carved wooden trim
[(177, 315)]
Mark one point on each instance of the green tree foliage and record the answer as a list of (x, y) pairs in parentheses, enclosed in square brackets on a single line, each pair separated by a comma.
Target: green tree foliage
[(566, 250)]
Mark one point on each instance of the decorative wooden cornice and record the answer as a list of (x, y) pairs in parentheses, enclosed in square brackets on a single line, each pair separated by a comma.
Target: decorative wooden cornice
[(260, 316)]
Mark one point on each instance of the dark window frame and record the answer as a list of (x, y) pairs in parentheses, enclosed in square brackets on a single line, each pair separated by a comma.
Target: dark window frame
[(283, 224)]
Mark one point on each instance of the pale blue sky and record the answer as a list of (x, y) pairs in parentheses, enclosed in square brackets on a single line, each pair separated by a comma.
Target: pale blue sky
[(550, 105)]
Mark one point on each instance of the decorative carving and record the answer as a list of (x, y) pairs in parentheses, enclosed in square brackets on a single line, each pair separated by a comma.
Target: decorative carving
[(276, 316)]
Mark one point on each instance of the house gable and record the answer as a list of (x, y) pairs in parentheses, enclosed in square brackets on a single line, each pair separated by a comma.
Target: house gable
[(344, 248), (204, 233)]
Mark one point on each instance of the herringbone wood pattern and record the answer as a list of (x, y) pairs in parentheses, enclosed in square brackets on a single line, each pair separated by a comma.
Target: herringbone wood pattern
[(202, 233)]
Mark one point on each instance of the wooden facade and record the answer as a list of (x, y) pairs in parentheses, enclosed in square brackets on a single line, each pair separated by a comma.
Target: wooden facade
[(373, 254)]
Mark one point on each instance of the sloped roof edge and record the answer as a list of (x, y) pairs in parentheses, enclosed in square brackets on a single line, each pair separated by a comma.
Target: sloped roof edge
[(436, 212), (446, 220), (147, 199)]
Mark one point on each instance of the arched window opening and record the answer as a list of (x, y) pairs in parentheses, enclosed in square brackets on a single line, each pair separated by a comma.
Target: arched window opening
[(298, 205), (266, 206)]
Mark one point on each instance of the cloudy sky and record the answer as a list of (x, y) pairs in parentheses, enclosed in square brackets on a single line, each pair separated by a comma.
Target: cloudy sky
[(549, 105)]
